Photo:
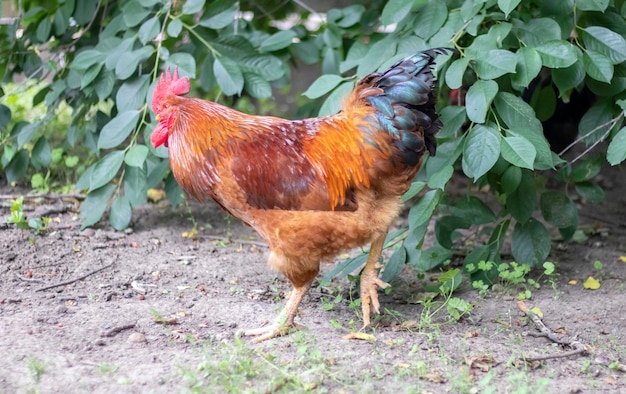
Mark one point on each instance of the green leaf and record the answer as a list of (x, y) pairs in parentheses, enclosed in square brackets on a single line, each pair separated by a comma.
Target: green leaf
[(377, 54), (92, 209), (421, 212), (445, 229), (17, 167), (27, 133), (481, 150), (456, 72), (616, 152), (135, 186), (229, 76), (557, 54), (515, 112), (472, 210), (439, 179), (521, 202), (136, 155), (120, 213), (395, 11), (586, 170), (589, 191), (453, 118), (174, 28), (191, 7), (185, 62), (568, 78), (133, 13), (355, 55), (511, 179), (43, 29), (84, 11), (530, 243), (333, 102), (592, 5), (128, 64), (342, 270), (544, 157), (543, 102), (149, 30), (479, 98), (118, 129), (323, 85), (558, 209), (527, 67), (415, 188), (41, 154), (432, 258), (269, 67), (507, 6), (132, 94), (175, 194), (256, 85), (104, 85), (537, 31), (219, 14), (607, 42), (598, 66), (5, 116), (394, 265), (518, 151), (430, 19), (86, 59), (596, 121), (90, 75), (278, 41), (105, 169), (495, 63)]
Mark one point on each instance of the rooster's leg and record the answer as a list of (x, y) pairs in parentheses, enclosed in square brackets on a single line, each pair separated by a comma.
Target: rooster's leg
[(284, 323), (370, 281)]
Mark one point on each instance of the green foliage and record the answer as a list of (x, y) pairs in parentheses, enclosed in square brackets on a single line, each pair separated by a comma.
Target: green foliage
[(101, 62), (38, 225)]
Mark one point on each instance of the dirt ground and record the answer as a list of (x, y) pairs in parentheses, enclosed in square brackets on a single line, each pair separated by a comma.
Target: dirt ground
[(163, 312)]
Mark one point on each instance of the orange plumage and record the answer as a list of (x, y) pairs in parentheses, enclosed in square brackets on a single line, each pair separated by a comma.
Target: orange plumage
[(312, 188)]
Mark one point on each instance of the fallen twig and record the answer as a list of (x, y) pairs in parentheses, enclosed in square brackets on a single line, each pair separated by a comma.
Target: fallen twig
[(26, 279), (577, 346), (116, 330), (48, 196), (67, 282), (239, 241)]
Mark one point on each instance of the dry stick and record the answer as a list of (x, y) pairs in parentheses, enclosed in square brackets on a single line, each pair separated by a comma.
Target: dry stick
[(240, 241), (26, 279), (67, 282), (612, 124), (116, 330), (48, 196), (579, 347)]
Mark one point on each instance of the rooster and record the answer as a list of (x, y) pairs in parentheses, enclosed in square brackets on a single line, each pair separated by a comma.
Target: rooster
[(311, 188)]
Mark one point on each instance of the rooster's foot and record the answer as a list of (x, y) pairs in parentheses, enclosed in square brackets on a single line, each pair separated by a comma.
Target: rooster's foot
[(370, 282)]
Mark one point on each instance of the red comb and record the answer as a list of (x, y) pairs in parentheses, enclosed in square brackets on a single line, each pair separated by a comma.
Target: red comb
[(169, 85)]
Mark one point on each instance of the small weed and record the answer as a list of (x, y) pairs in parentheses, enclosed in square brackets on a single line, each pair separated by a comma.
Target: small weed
[(36, 368), (513, 277), (585, 366), (328, 304), (38, 225), (106, 368)]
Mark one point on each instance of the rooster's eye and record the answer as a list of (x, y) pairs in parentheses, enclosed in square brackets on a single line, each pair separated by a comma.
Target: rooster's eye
[(158, 117)]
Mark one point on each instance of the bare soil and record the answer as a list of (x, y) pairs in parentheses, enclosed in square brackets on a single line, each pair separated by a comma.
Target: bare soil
[(163, 312)]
